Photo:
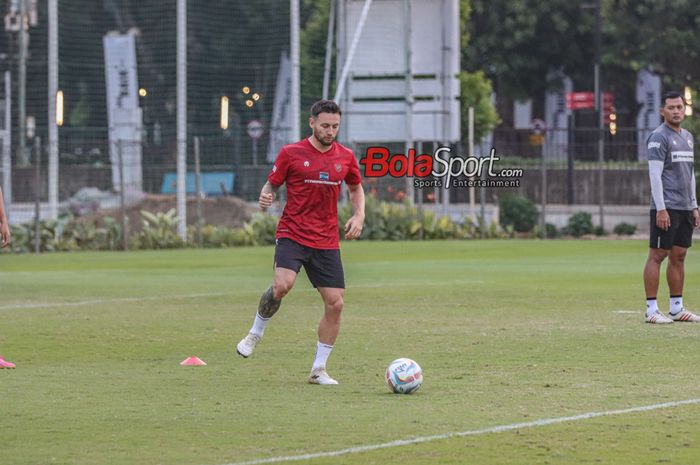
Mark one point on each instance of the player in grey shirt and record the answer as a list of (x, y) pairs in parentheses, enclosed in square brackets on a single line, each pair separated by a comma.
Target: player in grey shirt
[(674, 209)]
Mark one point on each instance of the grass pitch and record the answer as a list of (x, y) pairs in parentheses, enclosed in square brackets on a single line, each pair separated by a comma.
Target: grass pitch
[(506, 332)]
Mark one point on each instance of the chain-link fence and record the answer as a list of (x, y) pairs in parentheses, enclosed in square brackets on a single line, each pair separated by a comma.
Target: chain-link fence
[(572, 168), (238, 53), (235, 50)]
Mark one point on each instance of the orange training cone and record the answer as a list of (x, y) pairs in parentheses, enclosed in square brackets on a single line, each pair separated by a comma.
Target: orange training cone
[(193, 361)]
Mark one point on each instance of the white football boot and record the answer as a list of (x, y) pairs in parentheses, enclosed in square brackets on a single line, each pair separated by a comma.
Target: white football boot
[(320, 376), (247, 345), (686, 316), (658, 319)]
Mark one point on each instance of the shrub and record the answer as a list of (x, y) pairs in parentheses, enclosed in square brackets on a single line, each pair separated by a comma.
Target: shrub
[(49, 235), (551, 231), (214, 236), (579, 224), (403, 221), (81, 235), (159, 231), (625, 229), (517, 211), (260, 230)]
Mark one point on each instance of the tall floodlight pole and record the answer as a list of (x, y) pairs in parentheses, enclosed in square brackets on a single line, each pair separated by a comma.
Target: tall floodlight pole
[(410, 191), (295, 104), (6, 164), (329, 51), (181, 117), (23, 158), (600, 114), (52, 123)]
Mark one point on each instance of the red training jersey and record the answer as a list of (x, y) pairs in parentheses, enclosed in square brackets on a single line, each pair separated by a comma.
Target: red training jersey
[(313, 179)]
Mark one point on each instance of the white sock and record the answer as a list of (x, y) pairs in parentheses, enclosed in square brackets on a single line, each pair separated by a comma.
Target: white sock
[(676, 304), (652, 306), (322, 353), (259, 325)]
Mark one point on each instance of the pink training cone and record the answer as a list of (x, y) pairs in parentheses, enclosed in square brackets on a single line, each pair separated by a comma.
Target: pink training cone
[(193, 361), (5, 364)]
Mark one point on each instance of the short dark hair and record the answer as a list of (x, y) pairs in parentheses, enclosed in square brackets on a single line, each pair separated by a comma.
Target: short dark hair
[(324, 106), (671, 95)]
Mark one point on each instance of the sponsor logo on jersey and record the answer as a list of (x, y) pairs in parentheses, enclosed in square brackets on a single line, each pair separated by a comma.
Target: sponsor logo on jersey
[(690, 142), (682, 156), (654, 145), (274, 168), (306, 164)]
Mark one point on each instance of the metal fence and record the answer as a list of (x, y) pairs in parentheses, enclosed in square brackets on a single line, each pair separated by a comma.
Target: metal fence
[(238, 62), (572, 170), (569, 161)]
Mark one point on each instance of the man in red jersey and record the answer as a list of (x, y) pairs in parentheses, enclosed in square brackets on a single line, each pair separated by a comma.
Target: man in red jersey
[(307, 233)]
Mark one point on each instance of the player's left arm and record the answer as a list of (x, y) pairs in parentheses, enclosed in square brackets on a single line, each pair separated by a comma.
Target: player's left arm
[(353, 227), (4, 225), (696, 214)]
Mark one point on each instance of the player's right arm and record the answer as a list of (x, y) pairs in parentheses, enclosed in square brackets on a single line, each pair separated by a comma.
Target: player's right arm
[(4, 226), (656, 154), (277, 177), (267, 195)]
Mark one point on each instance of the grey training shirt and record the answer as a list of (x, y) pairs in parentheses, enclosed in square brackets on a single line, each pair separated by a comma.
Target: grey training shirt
[(676, 152)]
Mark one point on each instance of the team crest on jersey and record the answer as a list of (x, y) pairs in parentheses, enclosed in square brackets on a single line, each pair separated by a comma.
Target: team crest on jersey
[(323, 176), (339, 167)]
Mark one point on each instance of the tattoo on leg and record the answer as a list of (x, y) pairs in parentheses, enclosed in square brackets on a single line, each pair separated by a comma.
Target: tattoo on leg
[(268, 305)]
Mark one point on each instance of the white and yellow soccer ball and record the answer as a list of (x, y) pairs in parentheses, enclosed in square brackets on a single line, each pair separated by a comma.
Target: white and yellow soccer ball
[(404, 376)]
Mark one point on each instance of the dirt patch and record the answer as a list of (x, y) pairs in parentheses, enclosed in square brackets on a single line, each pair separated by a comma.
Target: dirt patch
[(220, 211)]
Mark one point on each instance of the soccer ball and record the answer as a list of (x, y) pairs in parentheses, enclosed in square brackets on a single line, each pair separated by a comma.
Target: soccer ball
[(404, 376)]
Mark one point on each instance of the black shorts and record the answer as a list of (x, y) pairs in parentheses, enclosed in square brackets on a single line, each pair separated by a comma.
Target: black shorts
[(323, 267), (680, 233)]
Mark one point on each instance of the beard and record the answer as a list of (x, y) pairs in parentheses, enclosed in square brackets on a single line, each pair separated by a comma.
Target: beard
[(323, 141)]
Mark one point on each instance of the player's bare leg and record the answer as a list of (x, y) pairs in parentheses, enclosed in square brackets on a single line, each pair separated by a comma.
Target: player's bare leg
[(675, 275), (328, 330), (652, 271), (329, 327), (270, 302), (675, 271)]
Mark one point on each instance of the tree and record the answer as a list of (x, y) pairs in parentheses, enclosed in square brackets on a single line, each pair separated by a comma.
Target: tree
[(475, 89), (663, 35), (476, 92), (517, 42)]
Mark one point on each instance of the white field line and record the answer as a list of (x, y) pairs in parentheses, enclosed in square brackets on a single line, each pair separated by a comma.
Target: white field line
[(80, 303), (478, 432)]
